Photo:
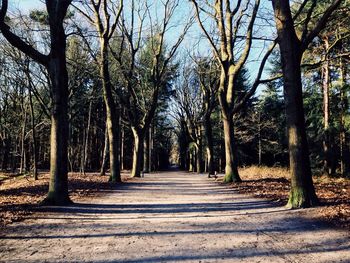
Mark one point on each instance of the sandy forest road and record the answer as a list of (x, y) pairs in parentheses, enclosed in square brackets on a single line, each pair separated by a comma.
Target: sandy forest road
[(173, 217)]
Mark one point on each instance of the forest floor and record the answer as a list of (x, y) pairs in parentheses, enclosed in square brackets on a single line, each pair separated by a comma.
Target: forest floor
[(273, 184), (20, 195), (170, 217)]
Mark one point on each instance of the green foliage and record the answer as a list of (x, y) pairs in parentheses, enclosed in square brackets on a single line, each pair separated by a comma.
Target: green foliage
[(260, 126), (39, 16), (42, 17)]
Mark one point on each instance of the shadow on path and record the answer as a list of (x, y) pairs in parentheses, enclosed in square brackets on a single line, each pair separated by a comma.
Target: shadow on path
[(173, 217)]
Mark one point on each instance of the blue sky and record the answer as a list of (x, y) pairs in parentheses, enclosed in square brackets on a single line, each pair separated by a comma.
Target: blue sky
[(26, 5)]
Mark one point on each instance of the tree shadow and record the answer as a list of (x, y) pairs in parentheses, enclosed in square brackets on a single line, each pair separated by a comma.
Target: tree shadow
[(98, 221), (247, 250)]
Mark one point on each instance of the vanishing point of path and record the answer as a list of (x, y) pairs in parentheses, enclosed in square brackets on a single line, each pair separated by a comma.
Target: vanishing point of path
[(173, 217)]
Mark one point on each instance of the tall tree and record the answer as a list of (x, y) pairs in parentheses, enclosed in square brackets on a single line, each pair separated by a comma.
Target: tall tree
[(55, 63), (146, 71), (322, 58), (189, 98), (292, 47), (229, 19), (103, 12), (208, 80)]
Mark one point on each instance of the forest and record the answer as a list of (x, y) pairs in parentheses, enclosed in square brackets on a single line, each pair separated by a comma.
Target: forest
[(124, 89), (133, 124)]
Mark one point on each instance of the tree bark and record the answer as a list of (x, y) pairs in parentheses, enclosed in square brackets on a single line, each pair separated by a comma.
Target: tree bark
[(231, 171), (35, 148), (326, 129), (112, 114), (199, 151), (259, 140), (199, 159), (302, 193), (191, 158), (147, 152), (344, 145), (222, 149), (195, 156), (113, 140), (210, 145), (58, 189), (104, 165), (86, 141), (23, 134), (137, 152), (122, 138), (7, 153)]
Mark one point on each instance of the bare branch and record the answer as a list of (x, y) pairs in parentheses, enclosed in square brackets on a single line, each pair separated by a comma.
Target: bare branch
[(17, 41), (321, 24), (257, 81), (200, 22)]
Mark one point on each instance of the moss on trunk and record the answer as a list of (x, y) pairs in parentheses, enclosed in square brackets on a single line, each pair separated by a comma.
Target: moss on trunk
[(299, 198), (231, 176)]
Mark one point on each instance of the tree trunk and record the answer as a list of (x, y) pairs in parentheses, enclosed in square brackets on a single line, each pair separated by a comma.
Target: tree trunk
[(199, 151), (104, 165), (199, 159), (344, 147), (195, 158), (82, 156), (326, 128), (35, 148), (58, 187), (222, 154), (23, 134), (122, 138), (231, 171), (7, 153), (151, 144), (113, 140), (86, 141), (191, 158), (183, 147), (112, 114), (137, 153), (210, 145), (55, 64), (147, 151), (187, 161), (302, 193), (259, 140), (200, 162)]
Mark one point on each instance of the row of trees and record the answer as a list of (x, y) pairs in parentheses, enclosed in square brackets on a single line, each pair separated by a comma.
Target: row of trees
[(299, 28), (117, 46), (25, 117), (100, 75)]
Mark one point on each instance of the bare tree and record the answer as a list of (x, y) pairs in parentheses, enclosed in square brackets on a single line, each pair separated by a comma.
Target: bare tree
[(208, 77), (55, 63), (229, 20), (105, 17), (140, 97), (190, 100)]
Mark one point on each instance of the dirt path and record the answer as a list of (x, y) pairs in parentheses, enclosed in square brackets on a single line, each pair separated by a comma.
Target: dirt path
[(173, 217)]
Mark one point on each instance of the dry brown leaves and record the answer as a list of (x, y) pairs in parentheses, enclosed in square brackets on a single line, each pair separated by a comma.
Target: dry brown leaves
[(274, 184), (19, 195)]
